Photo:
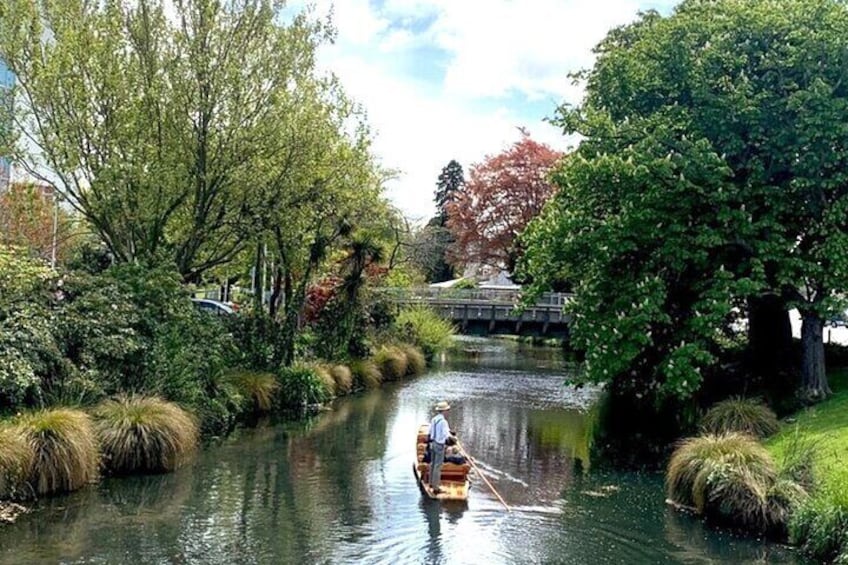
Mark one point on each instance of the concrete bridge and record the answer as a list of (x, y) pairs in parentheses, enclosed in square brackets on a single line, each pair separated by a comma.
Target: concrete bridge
[(492, 311)]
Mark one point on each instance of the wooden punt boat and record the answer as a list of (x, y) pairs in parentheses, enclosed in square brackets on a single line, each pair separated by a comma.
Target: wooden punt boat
[(454, 482)]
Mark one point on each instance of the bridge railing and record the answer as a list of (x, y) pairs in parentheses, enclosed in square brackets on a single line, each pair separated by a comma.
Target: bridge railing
[(475, 295)]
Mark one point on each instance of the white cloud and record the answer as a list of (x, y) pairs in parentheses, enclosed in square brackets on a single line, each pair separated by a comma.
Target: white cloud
[(494, 52)]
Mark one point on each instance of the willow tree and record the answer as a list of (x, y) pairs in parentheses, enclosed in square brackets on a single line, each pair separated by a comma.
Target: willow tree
[(713, 171), (150, 117)]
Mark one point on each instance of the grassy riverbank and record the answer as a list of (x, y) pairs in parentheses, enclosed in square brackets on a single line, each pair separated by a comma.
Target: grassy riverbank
[(825, 428), (820, 525), (783, 479)]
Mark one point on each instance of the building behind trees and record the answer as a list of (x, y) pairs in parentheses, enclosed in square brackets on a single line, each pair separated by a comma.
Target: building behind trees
[(7, 80)]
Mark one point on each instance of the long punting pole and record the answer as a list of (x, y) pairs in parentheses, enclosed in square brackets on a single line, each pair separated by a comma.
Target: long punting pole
[(482, 476)]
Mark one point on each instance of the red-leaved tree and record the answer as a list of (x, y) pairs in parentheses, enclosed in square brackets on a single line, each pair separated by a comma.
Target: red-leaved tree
[(27, 215), (502, 195)]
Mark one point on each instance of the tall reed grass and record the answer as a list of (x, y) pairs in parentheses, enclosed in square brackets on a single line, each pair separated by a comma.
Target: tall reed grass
[(416, 363), (365, 373), (259, 388), (144, 434), (391, 362), (325, 376), (343, 378), (15, 463), (731, 478), (64, 447), (743, 415), (820, 526)]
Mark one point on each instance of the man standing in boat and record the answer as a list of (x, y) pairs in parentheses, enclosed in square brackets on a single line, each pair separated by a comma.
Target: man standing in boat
[(440, 434)]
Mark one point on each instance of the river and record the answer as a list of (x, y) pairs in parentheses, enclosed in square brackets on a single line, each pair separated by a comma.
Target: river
[(338, 488)]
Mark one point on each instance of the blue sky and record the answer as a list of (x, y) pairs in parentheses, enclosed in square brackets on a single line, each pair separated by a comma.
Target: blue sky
[(455, 79)]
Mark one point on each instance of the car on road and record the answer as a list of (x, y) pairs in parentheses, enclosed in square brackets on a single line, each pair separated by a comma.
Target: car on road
[(213, 306), (838, 320)]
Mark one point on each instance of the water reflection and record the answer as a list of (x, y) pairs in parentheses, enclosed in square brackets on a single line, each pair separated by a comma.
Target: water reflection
[(339, 488)]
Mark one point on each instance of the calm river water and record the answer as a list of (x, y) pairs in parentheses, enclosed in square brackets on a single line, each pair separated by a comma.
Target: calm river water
[(339, 488)]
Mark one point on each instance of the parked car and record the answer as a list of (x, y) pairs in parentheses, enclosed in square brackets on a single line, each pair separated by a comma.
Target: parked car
[(838, 320), (213, 306)]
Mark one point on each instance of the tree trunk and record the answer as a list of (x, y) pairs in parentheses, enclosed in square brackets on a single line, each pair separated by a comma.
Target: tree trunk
[(257, 280), (276, 293), (813, 377), (769, 335)]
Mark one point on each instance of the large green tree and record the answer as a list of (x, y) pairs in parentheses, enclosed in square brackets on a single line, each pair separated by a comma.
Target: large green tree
[(152, 117), (318, 184), (712, 174)]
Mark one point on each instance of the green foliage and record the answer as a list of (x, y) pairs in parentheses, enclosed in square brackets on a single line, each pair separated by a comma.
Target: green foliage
[(98, 327), (416, 363), (300, 387), (403, 276), (254, 335), (130, 328), (422, 327), (813, 449), (366, 374), (392, 363), (28, 351), (144, 434), (820, 526), (685, 196), (15, 462), (466, 283), (428, 249), (799, 457), (260, 388), (450, 182), (340, 325), (170, 193), (743, 415), (731, 478), (219, 410), (819, 432), (64, 446), (187, 357)]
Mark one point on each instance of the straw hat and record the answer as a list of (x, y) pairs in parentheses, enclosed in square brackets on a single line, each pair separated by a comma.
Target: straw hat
[(441, 406)]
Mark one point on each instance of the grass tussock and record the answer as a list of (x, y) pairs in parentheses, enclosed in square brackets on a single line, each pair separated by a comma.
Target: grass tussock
[(260, 388), (144, 434), (325, 376), (15, 462), (366, 374), (64, 447), (743, 415), (733, 479), (343, 377), (416, 363), (392, 363), (814, 449)]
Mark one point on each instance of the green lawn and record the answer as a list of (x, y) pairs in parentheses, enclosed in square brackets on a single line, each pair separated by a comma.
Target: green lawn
[(826, 426)]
